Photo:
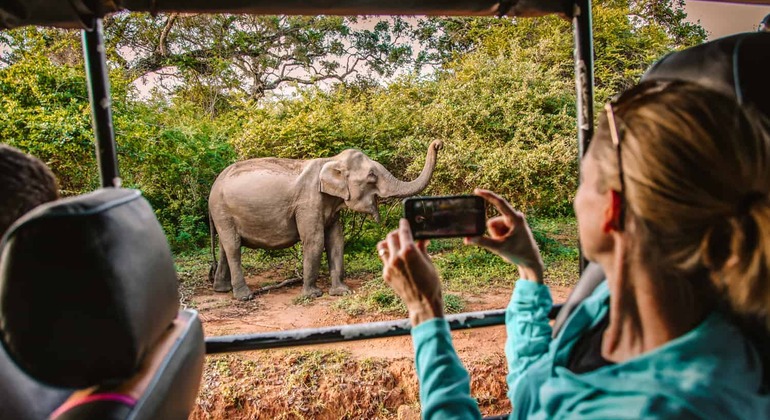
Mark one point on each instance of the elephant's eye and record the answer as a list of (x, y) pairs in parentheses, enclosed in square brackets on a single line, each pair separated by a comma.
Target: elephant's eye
[(371, 178)]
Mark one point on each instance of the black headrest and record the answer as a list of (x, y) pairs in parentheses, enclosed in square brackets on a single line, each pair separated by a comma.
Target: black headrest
[(738, 66), (87, 286)]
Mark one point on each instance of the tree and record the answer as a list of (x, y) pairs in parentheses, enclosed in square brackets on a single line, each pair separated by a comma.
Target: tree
[(210, 55), (44, 103), (629, 35)]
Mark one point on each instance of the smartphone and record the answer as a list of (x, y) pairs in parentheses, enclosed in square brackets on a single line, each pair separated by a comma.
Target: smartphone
[(445, 217)]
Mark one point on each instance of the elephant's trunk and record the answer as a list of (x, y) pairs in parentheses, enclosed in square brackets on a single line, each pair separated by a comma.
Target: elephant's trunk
[(393, 187)]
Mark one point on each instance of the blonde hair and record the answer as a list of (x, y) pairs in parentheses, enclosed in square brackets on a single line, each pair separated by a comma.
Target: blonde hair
[(696, 169)]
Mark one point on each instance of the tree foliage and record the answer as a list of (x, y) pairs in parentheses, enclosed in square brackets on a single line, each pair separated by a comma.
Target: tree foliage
[(45, 109), (173, 155), (628, 37), (212, 57), (169, 152)]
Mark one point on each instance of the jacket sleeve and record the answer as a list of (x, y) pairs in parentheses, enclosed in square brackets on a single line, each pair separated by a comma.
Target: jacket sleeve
[(445, 391), (528, 328)]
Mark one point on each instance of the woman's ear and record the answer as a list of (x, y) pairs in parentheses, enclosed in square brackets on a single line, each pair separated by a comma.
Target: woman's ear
[(333, 180), (613, 212)]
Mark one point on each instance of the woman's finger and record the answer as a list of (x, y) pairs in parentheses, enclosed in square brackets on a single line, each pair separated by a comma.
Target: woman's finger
[(500, 204), (498, 227), (382, 251), (482, 241), (423, 245), (394, 245), (404, 233)]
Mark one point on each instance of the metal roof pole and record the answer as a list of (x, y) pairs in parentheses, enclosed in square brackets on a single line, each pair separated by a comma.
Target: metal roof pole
[(101, 113), (584, 73), (584, 81)]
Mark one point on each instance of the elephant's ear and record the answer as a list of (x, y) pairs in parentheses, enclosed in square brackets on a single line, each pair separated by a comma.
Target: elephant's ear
[(334, 180)]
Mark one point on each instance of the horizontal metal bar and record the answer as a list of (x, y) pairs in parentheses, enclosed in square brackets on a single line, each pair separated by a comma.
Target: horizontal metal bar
[(342, 333), (359, 7), (80, 13)]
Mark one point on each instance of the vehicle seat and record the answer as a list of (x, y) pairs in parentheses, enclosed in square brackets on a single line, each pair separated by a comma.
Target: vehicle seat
[(737, 66), (89, 314)]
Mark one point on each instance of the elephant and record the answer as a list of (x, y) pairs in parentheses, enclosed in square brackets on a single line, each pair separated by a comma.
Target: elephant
[(273, 203)]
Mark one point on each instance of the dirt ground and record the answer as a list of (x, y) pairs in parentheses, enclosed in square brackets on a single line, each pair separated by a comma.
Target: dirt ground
[(481, 350)]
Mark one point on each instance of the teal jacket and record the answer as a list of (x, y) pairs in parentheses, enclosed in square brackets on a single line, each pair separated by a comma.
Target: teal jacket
[(710, 372)]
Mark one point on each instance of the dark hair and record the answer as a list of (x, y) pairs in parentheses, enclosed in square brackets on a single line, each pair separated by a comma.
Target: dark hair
[(25, 183)]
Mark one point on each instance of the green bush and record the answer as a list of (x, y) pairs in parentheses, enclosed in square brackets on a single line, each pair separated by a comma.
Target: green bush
[(174, 162)]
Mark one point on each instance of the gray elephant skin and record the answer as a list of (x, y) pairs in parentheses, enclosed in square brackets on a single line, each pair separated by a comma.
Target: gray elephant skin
[(271, 203)]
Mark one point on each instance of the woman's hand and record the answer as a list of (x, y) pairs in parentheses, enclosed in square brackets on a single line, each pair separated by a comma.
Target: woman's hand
[(510, 238), (410, 272)]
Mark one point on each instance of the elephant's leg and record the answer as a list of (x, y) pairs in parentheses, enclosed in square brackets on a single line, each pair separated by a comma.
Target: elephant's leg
[(231, 243), (335, 247), (312, 250), (222, 275)]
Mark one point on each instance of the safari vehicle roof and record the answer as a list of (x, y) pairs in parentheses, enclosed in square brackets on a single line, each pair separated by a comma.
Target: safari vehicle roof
[(80, 13), (86, 14)]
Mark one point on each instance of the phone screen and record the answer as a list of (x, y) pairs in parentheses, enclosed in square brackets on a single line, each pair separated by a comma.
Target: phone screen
[(444, 217)]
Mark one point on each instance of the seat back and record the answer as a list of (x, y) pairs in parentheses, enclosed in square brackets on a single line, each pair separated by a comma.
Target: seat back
[(737, 66), (89, 302), (590, 278)]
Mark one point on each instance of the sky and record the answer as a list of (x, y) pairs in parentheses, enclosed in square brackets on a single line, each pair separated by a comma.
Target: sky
[(721, 19)]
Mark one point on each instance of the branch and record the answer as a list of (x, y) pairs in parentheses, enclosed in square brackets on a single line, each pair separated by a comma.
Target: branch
[(164, 33)]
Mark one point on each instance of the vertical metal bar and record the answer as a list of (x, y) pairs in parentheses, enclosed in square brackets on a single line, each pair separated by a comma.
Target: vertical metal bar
[(101, 113), (584, 80), (584, 73)]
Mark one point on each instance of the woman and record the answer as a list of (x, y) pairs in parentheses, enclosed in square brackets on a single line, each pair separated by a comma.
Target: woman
[(673, 204)]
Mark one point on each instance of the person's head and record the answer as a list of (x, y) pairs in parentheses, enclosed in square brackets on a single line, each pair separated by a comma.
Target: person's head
[(25, 183), (764, 25), (691, 194)]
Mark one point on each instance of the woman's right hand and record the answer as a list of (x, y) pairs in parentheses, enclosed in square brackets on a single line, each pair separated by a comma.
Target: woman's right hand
[(407, 268), (511, 238)]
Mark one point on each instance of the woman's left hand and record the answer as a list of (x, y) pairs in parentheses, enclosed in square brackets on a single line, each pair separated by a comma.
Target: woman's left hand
[(407, 268)]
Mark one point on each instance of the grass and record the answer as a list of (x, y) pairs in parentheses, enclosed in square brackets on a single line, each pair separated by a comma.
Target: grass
[(463, 269), (192, 270), (374, 296), (302, 300)]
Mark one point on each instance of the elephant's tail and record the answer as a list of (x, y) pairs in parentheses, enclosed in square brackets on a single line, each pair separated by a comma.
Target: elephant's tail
[(213, 234)]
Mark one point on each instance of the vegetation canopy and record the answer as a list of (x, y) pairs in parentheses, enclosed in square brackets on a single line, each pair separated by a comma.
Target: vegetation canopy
[(194, 93)]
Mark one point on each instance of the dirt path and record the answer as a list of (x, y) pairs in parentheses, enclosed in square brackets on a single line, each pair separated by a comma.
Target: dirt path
[(276, 311)]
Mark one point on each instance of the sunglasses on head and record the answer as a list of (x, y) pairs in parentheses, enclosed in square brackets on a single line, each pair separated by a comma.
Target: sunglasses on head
[(618, 129)]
